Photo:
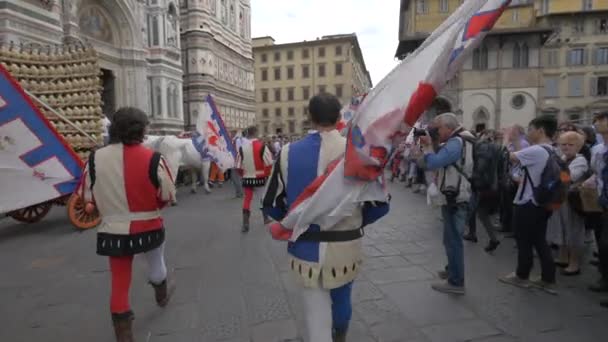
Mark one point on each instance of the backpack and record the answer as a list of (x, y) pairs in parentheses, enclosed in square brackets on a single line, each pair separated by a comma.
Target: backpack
[(486, 161), (555, 181)]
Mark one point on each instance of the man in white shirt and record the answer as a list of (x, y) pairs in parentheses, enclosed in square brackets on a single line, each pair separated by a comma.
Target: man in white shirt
[(530, 219), (235, 175)]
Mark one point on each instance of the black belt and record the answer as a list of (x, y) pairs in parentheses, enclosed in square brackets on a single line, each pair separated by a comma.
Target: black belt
[(332, 236)]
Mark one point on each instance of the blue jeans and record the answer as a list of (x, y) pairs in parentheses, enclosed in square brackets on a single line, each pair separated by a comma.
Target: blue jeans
[(454, 218)]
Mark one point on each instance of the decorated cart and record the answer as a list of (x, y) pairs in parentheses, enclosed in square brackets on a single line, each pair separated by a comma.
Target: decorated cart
[(50, 120)]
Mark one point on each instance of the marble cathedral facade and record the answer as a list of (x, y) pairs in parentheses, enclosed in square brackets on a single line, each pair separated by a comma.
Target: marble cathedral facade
[(145, 55), (218, 60)]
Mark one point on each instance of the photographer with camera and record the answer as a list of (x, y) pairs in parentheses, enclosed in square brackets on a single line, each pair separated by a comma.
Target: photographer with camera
[(452, 160)]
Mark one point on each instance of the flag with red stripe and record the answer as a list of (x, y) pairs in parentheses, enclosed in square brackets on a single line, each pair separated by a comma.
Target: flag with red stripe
[(390, 109)]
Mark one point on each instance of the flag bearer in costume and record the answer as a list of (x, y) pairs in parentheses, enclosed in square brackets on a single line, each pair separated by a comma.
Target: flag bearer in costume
[(325, 262), (129, 184), (256, 162)]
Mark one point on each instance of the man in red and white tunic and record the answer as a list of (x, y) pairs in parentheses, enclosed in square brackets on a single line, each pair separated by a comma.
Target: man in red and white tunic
[(129, 184), (255, 160)]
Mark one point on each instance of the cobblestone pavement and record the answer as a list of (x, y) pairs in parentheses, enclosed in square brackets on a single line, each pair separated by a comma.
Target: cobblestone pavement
[(236, 288)]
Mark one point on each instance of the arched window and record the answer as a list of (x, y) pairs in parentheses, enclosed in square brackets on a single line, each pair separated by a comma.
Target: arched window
[(176, 102), (484, 57), (224, 9), (480, 58), (159, 102), (232, 17), (241, 23), (172, 26), (525, 59), (154, 32), (172, 100), (183, 3), (194, 118), (516, 56)]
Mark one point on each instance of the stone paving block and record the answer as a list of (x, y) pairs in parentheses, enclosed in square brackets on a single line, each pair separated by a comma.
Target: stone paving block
[(171, 319), (387, 249), (394, 330), (376, 311), (401, 274), (364, 291), (424, 306), (460, 331), (394, 261), (275, 331), (498, 339), (371, 251), (181, 336), (410, 248)]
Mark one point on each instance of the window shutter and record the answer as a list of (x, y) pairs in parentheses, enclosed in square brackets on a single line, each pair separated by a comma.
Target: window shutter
[(593, 86), (568, 58)]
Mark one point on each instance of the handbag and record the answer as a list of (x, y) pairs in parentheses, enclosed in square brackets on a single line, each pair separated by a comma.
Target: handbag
[(589, 200)]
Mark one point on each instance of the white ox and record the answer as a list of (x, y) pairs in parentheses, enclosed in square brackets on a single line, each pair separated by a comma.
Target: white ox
[(181, 153)]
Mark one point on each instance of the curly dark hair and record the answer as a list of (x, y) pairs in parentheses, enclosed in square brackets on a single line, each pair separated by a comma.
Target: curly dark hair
[(128, 126)]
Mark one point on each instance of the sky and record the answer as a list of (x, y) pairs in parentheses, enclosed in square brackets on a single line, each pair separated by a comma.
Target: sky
[(376, 24)]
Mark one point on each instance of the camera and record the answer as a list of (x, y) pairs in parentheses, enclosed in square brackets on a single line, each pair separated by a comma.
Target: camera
[(433, 132), (419, 132)]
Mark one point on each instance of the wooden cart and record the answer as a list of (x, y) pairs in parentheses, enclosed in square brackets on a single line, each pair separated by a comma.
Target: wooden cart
[(65, 83)]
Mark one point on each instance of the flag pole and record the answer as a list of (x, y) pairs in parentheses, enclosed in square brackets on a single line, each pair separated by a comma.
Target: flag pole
[(66, 120)]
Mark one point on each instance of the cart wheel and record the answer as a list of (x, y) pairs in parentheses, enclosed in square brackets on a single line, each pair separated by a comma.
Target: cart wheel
[(78, 216), (31, 214)]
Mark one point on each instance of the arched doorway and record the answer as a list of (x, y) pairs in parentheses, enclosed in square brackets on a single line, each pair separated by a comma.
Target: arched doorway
[(109, 27), (481, 118)]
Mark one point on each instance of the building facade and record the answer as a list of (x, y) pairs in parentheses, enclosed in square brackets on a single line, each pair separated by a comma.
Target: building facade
[(217, 60), (543, 56), (288, 75), (137, 43)]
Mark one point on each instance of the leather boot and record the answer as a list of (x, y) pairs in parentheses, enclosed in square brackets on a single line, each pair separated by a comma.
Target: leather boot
[(123, 326), (246, 215), (162, 293), (340, 337)]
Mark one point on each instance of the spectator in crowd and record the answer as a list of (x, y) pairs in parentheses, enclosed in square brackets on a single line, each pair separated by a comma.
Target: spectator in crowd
[(515, 141), (529, 218), (599, 165), (567, 227), (485, 188), (454, 195)]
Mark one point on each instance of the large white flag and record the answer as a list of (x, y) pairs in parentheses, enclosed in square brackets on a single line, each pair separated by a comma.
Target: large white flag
[(389, 109), (217, 141)]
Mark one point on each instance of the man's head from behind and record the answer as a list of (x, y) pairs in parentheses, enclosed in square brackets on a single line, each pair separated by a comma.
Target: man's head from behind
[(128, 126), (445, 124), (324, 111), (542, 128), (251, 132)]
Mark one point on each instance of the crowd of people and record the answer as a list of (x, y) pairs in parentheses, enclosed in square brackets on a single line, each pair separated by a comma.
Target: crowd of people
[(546, 187)]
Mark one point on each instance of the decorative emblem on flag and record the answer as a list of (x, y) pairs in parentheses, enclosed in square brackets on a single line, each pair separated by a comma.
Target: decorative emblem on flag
[(37, 164), (217, 141)]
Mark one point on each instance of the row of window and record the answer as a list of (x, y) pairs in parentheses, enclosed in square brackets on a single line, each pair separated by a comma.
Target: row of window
[(305, 54), (305, 72), (291, 127), (520, 58), (586, 5), (598, 86), (579, 56), (278, 112), (422, 6), (339, 92)]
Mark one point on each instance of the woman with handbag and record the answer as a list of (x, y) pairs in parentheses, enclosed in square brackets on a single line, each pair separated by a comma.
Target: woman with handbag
[(567, 225)]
